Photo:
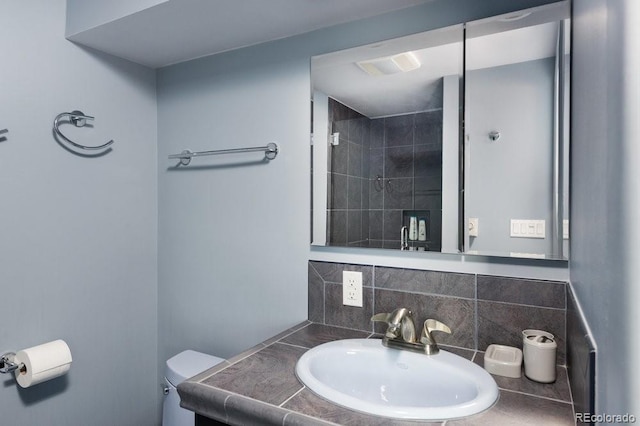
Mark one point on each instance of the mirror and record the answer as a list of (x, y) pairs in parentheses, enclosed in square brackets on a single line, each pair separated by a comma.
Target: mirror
[(383, 109), (393, 166), (516, 134)]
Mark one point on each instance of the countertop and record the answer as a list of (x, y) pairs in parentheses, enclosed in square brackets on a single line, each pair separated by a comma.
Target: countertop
[(259, 386)]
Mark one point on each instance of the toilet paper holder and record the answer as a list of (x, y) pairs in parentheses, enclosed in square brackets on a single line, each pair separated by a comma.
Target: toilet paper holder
[(8, 364), (37, 364)]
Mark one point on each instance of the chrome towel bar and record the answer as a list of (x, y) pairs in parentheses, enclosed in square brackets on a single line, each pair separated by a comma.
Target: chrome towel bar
[(78, 119), (3, 131), (270, 152)]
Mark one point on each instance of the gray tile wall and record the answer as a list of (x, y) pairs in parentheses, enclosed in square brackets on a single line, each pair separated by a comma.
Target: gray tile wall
[(380, 168), (405, 174), (479, 309), (581, 359), (348, 170)]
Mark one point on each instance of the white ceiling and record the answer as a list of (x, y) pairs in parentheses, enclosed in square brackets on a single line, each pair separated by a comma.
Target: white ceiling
[(179, 30), (494, 42), (439, 53)]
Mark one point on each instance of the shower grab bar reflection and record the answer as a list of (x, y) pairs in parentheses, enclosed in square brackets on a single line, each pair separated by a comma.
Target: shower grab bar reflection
[(270, 152)]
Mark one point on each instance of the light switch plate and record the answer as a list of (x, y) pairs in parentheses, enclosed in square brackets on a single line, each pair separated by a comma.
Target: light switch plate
[(527, 228)]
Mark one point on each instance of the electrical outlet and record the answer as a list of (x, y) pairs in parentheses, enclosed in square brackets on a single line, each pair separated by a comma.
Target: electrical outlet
[(352, 288), (473, 227)]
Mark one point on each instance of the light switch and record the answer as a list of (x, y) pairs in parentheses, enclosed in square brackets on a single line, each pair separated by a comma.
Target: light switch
[(521, 228)]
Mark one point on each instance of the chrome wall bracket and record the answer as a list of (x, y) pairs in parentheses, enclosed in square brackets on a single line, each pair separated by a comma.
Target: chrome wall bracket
[(494, 135), (8, 364)]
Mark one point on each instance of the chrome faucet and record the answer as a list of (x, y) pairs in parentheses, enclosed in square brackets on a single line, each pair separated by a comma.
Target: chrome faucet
[(401, 332), (404, 238)]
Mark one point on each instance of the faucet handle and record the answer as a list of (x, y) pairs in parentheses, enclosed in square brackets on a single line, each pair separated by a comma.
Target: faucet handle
[(394, 318), (381, 317), (400, 323), (432, 325), (385, 317)]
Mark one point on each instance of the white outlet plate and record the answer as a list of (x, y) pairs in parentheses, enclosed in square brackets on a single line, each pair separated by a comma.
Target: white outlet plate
[(352, 288)]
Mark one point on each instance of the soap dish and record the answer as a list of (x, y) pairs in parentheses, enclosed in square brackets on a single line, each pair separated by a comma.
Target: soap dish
[(503, 361)]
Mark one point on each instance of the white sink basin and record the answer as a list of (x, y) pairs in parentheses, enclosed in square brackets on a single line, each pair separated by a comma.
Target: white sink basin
[(365, 376)]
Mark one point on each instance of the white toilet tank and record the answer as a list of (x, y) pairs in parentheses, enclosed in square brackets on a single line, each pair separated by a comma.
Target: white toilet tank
[(179, 368)]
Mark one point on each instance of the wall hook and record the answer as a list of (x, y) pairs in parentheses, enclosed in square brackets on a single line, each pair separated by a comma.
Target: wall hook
[(78, 119), (494, 135)]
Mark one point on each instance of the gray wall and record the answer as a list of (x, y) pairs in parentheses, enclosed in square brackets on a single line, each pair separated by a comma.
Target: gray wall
[(233, 230), (605, 192), (510, 178), (77, 235)]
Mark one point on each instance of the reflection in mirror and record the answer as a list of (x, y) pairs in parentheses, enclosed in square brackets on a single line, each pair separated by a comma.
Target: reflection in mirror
[(387, 175), (393, 167), (516, 126)]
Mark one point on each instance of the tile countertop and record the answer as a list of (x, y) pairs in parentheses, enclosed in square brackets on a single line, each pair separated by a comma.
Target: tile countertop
[(259, 386)]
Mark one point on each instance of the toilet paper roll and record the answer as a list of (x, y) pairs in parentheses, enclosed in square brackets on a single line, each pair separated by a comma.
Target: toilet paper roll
[(43, 362)]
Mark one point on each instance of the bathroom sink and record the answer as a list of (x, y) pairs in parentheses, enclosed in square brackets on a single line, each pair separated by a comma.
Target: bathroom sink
[(365, 376)]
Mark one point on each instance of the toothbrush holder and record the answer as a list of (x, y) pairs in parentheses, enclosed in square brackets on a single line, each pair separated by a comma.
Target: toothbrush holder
[(539, 353)]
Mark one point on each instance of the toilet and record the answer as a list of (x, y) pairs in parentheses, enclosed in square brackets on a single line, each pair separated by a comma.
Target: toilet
[(180, 367)]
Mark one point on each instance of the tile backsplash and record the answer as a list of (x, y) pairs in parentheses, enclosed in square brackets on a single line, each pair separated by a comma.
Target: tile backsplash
[(581, 359), (479, 309)]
